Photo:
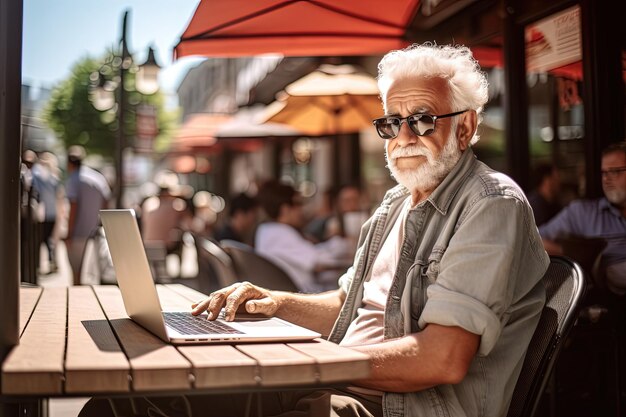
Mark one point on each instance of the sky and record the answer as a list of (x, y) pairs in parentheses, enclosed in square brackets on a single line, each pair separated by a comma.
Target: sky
[(57, 33)]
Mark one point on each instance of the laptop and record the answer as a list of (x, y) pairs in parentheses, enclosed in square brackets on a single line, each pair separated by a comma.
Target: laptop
[(178, 327)]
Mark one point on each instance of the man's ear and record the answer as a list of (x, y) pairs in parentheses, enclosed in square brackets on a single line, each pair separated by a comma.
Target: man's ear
[(466, 128)]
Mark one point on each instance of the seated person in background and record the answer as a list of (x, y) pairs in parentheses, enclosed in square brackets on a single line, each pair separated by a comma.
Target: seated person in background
[(316, 227), (600, 218), (281, 241), (349, 216), (242, 219), (544, 198), (445, 292), (164, 216)]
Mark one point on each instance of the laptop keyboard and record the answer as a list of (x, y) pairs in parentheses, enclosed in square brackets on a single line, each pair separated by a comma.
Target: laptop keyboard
[(185, 323)]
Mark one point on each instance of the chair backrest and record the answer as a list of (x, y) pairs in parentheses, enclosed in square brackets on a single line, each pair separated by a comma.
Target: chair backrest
[(565, 286), (221, 271), (258, 270)]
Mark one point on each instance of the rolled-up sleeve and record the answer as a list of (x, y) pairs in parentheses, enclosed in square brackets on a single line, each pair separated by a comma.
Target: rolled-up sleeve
[(494, 258)]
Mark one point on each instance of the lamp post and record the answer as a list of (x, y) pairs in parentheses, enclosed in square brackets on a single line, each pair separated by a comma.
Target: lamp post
[(104, 97)]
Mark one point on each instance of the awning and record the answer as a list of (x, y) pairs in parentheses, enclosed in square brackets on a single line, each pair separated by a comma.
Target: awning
[(207, 133), (297, 27), (197, 133)]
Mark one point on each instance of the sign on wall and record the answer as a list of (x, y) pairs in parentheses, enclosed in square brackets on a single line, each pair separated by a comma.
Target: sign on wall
[(554, 42)]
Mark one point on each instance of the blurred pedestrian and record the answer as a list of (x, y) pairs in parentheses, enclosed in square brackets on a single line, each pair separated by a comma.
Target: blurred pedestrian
[(29, 259), (88, 192), (46, 182)]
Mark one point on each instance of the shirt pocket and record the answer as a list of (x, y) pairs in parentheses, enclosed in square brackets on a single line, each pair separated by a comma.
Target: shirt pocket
[(418, 280), (420, 276)]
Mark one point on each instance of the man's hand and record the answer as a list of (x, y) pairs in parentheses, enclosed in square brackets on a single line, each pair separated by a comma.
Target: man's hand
[(254, 299)]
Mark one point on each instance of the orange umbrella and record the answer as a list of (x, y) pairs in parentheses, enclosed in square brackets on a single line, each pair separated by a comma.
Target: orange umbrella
[(331, 100)]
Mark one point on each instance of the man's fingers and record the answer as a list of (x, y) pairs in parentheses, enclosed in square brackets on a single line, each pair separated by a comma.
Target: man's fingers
[(235, 299), (215, 305), (200, 306)]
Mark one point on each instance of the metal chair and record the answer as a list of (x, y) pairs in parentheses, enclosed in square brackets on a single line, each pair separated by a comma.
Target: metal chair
[(565, 286), (258, 270), (215, 267)]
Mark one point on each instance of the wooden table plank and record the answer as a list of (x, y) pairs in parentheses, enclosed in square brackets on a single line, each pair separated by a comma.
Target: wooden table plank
[(335, 363), (221, 366), (281, 365), (28, 300), (35, 366), (155, 365), (95, 361)]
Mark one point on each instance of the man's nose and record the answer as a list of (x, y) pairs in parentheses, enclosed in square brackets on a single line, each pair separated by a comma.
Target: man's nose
[(406, 136)]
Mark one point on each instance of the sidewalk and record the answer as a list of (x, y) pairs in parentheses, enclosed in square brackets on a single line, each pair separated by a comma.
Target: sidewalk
[(63, 276)]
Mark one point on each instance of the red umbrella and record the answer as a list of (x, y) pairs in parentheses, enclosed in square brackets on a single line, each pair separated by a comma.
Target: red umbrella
[(297, 27)]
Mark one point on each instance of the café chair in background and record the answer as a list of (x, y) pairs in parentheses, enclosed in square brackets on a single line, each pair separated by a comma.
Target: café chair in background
[(258, 270), (565, 286), (215, 267)]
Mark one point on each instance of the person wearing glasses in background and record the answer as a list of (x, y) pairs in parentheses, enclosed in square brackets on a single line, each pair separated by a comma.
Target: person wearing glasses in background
[(445, 291), (600, 218)]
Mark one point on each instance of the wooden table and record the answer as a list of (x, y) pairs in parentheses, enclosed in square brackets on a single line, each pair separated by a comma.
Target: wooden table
[(78, 341)]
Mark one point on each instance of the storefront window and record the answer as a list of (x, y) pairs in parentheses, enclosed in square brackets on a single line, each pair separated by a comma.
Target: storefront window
[(556, 117)]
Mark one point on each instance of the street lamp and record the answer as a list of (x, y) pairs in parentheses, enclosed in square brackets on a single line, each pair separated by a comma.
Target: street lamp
[(103, 95)]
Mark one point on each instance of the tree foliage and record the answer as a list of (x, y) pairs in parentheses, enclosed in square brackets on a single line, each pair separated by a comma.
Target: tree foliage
[(74, 119)]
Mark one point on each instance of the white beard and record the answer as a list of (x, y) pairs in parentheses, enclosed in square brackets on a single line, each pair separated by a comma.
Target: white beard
[(617, 197), (428, 175)]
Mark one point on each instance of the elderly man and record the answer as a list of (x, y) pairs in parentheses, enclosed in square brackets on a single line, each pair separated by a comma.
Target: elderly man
[(445, 291), (600, 218)]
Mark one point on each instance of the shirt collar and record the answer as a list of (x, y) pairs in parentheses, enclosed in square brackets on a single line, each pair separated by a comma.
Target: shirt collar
[(442, 196), (604, 204)]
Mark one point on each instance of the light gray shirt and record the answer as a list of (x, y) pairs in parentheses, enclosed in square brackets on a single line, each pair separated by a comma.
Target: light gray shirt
[(471, 257), (89, 190)]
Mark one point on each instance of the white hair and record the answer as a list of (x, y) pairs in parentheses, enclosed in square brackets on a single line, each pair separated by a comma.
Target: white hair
[(466, 81)]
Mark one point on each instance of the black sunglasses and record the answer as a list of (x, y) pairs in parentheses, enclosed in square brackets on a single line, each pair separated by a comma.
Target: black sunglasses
[(421, 124)]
